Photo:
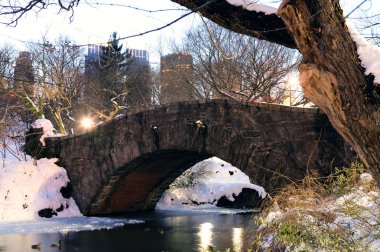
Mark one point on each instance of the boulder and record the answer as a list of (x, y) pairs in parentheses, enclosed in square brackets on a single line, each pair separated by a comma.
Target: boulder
[(248, 198), (33, 145), (47, 213)]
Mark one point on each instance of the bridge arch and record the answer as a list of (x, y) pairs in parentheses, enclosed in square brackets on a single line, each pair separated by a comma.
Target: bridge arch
[(263, 140), (139, 184)]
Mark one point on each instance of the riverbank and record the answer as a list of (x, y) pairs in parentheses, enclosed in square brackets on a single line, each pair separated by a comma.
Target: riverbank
[(338, 213)]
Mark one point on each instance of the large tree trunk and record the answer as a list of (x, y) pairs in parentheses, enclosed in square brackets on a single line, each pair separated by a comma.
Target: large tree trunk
[(331, 73), (332, 77)]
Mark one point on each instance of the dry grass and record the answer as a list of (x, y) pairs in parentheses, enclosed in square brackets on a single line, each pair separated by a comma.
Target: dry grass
[(306, 215)]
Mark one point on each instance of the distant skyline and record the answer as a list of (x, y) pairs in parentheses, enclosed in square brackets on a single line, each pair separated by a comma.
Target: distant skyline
[(94, 21)]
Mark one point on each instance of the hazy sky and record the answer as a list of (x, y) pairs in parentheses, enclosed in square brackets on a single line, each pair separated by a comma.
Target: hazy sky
[(93, 23)]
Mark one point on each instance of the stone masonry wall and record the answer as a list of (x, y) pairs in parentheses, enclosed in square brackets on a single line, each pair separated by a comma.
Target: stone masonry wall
[(127, 163)]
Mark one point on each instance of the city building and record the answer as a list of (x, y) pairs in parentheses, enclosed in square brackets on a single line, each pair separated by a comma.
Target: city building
[(94, 52), (139, 79), (91, 61), (23, 83), (24, 74), (139, 56), (176, 77), (137, 75)]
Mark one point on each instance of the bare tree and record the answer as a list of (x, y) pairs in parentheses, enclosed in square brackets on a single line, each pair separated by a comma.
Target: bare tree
[(155, 87), (369, 25), (139, 83), (11, 101), (59, 80), (11, 130), (12, 11), (231, 65), (116, 80), (7, 62)]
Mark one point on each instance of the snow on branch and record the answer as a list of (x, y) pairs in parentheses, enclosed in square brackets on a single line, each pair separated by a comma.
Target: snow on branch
[(252, 6), (369, 54), (253, 20)]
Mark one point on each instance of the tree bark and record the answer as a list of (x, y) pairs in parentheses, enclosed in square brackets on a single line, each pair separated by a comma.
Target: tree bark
[(331, 73), (333, 78)]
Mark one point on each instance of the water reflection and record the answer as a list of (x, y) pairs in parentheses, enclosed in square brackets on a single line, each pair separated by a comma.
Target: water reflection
[(205, 235), (237, 239), (24, 242), (158, 232)]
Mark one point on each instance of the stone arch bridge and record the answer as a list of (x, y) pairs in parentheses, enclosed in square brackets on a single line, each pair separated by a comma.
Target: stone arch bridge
[(127, 163)]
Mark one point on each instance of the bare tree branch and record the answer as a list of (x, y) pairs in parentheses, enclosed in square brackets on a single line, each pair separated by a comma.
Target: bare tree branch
[(17, 9), (256, 24)]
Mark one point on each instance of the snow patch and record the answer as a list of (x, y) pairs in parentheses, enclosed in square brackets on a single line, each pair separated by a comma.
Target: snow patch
[(222, 179), (251, 5), (47, 128), (29, 186), (63, 225), (369, 54)]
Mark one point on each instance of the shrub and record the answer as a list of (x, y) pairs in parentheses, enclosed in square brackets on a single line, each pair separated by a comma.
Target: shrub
[(190, 178), (338, 213)]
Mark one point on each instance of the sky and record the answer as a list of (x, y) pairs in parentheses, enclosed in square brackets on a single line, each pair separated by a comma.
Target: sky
[(93, 23), (95, 20)]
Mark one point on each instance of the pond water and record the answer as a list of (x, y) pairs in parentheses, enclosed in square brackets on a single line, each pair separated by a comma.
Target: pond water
[(154, 231)]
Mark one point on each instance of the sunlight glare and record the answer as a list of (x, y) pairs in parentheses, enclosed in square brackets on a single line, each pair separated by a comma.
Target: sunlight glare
[(237, 239), (205, 234), (87, 123)]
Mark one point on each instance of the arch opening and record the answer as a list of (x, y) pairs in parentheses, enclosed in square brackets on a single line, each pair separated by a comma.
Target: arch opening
[(138, 185), (211, 184), (144, 182)]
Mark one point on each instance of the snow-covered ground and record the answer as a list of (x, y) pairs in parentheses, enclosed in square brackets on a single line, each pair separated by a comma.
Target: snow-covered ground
[(47, 128), (28, 186), (218, 179)]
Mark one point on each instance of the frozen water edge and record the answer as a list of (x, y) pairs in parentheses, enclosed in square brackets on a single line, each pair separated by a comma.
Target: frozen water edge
[(81, 223), (64, 225), (211, 209)]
